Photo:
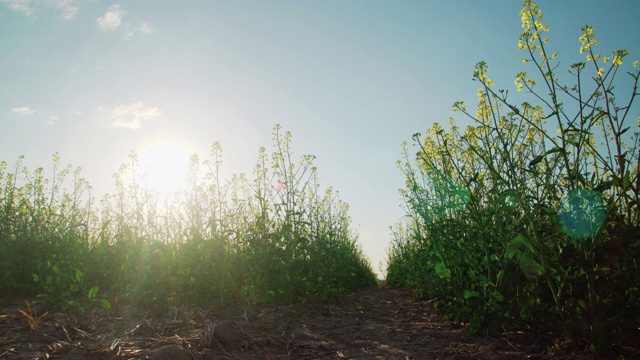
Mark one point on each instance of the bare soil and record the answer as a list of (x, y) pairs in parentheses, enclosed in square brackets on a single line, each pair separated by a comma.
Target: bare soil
[(373, 323)]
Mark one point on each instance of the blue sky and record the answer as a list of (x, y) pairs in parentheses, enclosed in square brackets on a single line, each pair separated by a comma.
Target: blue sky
[(351, 80)]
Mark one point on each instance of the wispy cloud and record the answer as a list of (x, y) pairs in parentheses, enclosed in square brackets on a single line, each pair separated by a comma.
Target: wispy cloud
[(68, 7), (133, 115), (23, 6), (24, 110), (112, 19), (143, 28), (51, 119), (28, 111)]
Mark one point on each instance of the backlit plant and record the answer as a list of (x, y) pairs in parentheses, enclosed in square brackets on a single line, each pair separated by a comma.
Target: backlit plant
[(532, 212), (278, 237)]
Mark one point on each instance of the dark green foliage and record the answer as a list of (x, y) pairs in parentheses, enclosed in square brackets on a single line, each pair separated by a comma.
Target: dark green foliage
[(275, 239), (529, 218)]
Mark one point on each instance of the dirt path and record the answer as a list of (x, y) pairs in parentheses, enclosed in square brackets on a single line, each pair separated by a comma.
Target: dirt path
[(374, 323)]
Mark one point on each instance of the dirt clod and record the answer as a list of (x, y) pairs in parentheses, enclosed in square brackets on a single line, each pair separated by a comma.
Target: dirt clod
[(226, 332), (170, 352)]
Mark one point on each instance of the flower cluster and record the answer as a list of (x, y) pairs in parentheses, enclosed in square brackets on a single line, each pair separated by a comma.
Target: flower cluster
[(531, 16), (587, 39)]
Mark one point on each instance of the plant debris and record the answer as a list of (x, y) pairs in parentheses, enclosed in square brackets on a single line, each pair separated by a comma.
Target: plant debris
[(373, 323)]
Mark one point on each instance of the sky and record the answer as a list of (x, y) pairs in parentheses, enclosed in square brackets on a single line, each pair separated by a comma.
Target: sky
[(351, 80)]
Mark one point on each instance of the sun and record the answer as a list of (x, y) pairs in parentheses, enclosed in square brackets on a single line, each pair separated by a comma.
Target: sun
[(164, 166)]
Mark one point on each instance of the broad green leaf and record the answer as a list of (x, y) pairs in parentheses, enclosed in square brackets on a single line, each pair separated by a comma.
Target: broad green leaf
[(530, 266), (497, 295), (93, 292), (105, 304), (442, 271), (74, 304), (514, 247)]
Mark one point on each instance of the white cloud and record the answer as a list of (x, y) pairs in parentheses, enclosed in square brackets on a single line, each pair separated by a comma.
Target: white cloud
[(68, 7), (28, 111), (132, 115), (21, 5), (145, 28), (24, 110), (111, 19)]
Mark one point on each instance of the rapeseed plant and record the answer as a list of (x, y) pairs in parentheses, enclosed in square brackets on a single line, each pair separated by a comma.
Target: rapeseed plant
[(550, 226)]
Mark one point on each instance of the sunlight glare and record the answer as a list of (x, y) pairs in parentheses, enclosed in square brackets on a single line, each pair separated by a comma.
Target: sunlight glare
[(164, 165)]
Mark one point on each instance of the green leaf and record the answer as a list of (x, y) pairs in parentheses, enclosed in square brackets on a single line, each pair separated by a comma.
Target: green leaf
[(105, 304), (515, 246), (79, 275), (530, 266), (626, 180), (35, 277), (468, 294), (623, 131), (603, 186), (442, 271), (527, 264), (497, 295), (540, 157), (73, 304), (93, 292), (536, 160)]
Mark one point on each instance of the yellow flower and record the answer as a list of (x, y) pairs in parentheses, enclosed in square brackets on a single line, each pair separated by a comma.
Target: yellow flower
[(589, 58), (606, 59), (617, 60), (524, 60), (519, 87), (553, 56), (600, 72), (635, 63)]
